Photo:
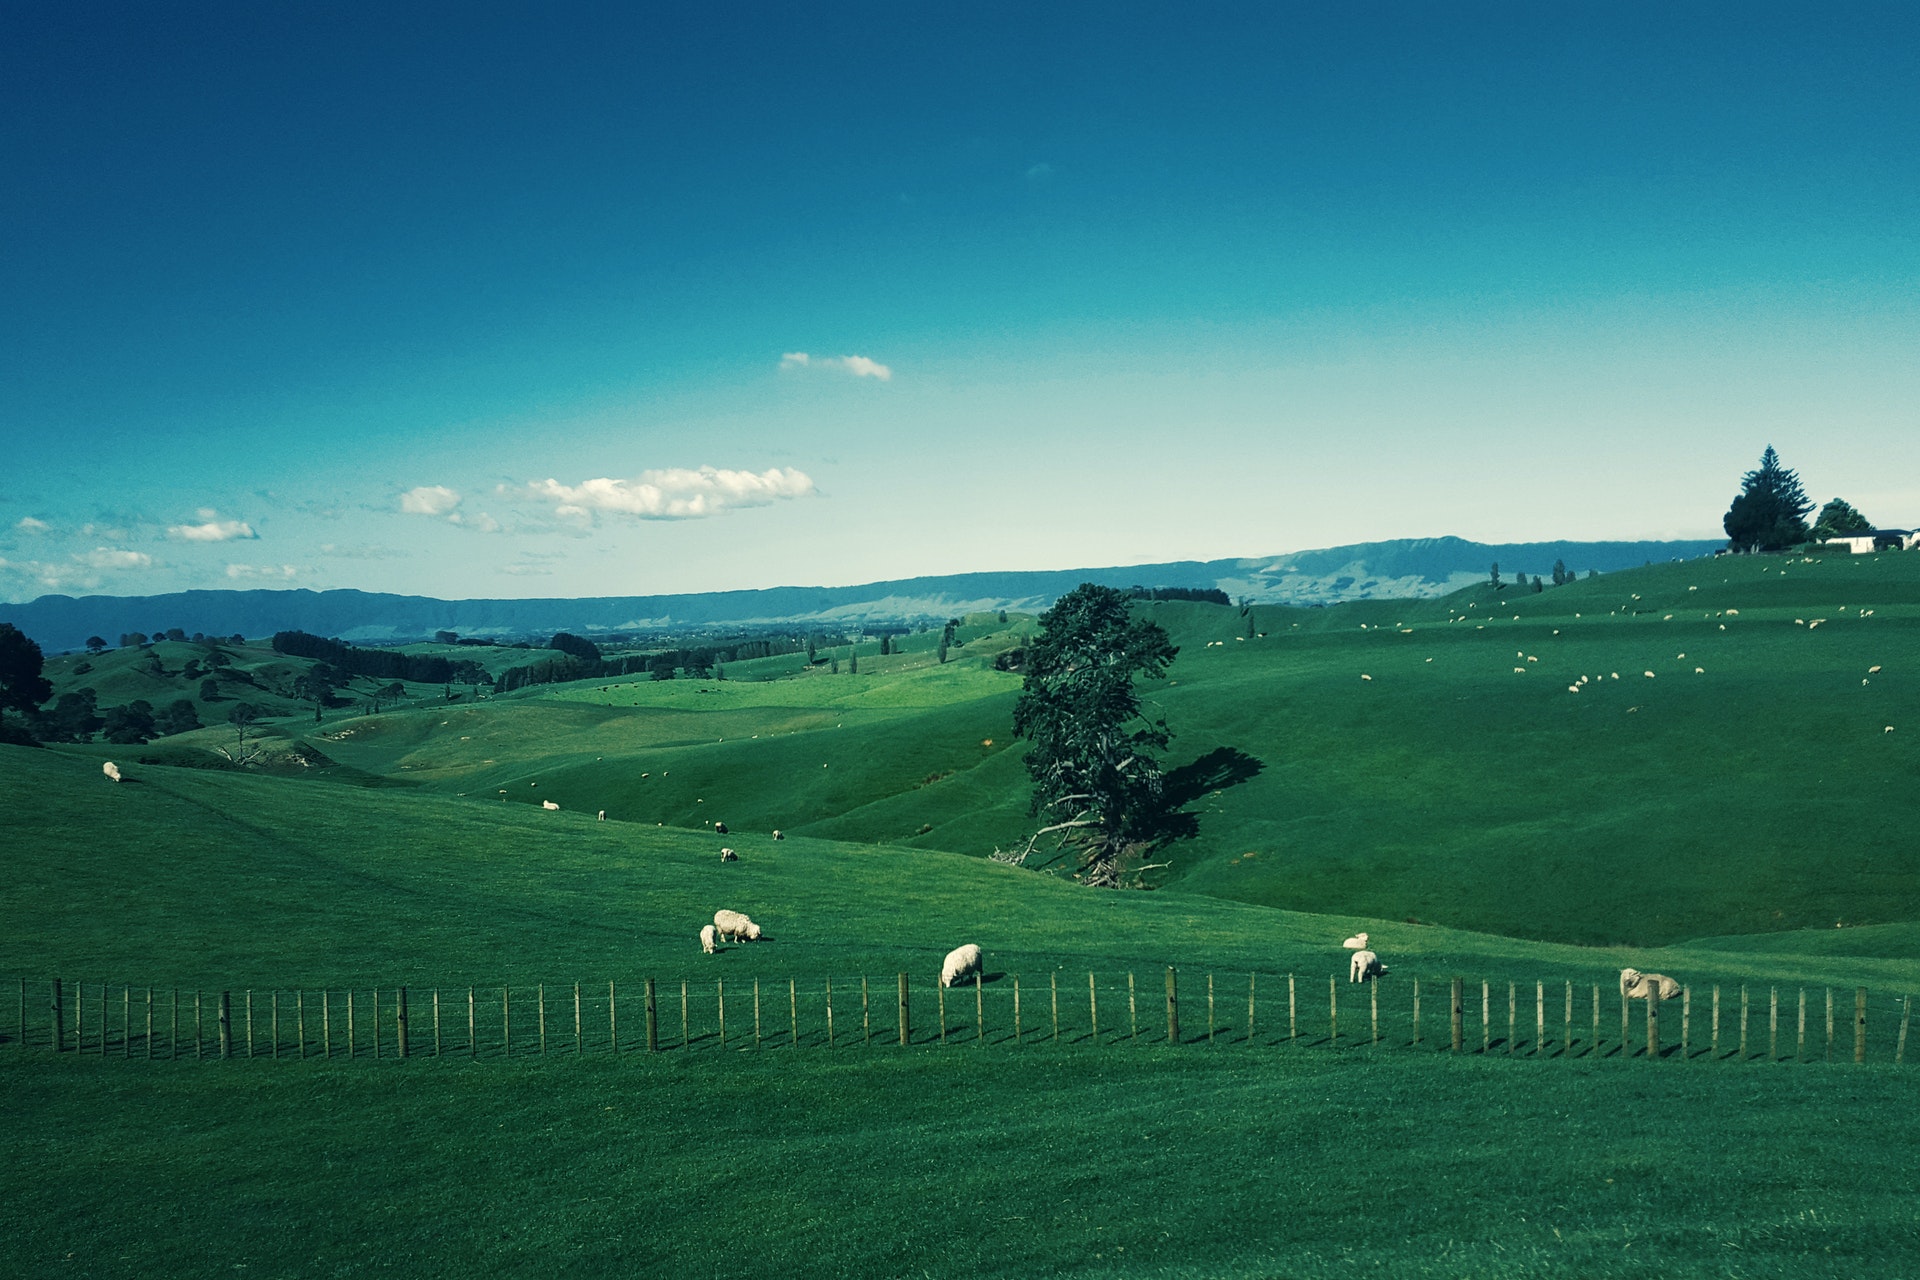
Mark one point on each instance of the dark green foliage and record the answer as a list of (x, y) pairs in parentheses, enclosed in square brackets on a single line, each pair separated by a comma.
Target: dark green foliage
[(1561, 574), (1202, 595), (131, 724), (1839, 519), (384, 664), (95, 644), (1493, 576), (179, 717), (22, 687), (446, 637), (1770, 511), (1520, 580), (209, 690), (74, 717), (1093, 760), (1536, 583), (575, 646), (132, 639)]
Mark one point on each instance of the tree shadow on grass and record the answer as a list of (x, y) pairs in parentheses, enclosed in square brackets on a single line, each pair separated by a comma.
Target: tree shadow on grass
[(1217, 770)]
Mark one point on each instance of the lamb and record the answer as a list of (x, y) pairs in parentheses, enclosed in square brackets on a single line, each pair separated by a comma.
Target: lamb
[(734, 926), (1635, 985), (720, 828), (961, 963), (728, 855), (1358, 942), (1365, 967), (548, 804), (111, 770), (706, 938)]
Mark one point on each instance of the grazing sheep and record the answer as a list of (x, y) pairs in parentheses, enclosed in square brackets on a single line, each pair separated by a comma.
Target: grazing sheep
[(1358, 942), (728, 855), (734, 926), (1365, 967), (1874, 670), (1365, 677), (961, 963), (706, 938), (1635, 985), (111, 770), (602, 817), (779, 834), (720, 828), (548, 804)]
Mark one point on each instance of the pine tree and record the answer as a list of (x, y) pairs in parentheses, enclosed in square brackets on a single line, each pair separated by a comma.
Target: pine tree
[(1493, 577), (1560, 575), (1770, 511)]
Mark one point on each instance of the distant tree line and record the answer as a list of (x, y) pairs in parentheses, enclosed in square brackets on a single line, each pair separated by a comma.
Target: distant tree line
[(381, 664), (1204, 595)]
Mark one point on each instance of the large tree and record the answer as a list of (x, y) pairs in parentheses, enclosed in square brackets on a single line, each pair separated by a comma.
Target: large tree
[(1839, 519), (1771, 509), (22, 687), (1096, 778)]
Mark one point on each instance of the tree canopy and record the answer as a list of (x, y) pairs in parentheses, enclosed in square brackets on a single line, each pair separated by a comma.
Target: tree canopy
[(1770, 510), (22, 687), (1839, 519), (1096, 777)]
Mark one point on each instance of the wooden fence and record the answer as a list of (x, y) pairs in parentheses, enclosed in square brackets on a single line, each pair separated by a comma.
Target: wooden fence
[(1540, 1019)]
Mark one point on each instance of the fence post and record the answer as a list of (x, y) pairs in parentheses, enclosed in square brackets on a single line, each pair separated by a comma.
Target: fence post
[(436, 1022), (56, 1011), (940, 994), (720, 998), (173, 1035), (103, 1026), (400, 1023), (829, 1013), (613, 1017), (1859, 1024), (979, 1008), (1093, 1006), (793, 1011), (23, 1014), (1133, 1009), (906, 1018), (1373, 993), (326, 1022), (1016, 1008), (226, 1024), (1686, 1021), (506, 1021), (540, 1009), (1293, 1026), (1486, 1017), (653, 1023), (350, 1025), (126, 1022), (1173, 1009), (1566, 1039), (273, 1024), (1800, 1030), (199, 1030), (1053, 985), (577, 1038), (756, 1013), (1209, 1008), (1333, 1012), (473, 1027), (1459, 1015), (1773, 1025), (376, 1022), (1593, 1046), (866, 1018), (1513, 1015), (1743, 1022), (1539, 1017), (683, 1014), (1416, 1011), (1900, 1048), (1250, 978), (1626, 1032), (23, 1023), (1715, 1051), (80, 1016), (1829, 1053), (1653, 1022)]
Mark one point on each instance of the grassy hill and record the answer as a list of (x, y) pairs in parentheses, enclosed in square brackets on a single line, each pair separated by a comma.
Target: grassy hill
[(1122, 1159), (1460, 783)]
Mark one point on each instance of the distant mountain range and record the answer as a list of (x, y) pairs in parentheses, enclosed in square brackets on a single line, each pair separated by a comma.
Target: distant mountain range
[(1406, 567)]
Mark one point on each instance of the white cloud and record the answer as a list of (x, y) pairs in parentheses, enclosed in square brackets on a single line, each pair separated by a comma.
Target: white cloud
[(207, 513), (29, 525), (677, 493), (115, 558), (261, 571), (858, 366), (527, 570), (429, 500), (481, 523), (211, 531)]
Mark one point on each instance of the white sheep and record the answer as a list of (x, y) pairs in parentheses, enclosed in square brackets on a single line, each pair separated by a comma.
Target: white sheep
[(779, 834), (602, 817), (728, 855), (706, 938), (1365, 967), (111, 770), (961, 963), (1358, 942), (734, 926), (1874, 670), (548, 804), (1635, 985)]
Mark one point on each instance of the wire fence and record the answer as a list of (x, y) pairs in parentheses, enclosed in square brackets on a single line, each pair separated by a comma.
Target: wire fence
[(1560, 1019)]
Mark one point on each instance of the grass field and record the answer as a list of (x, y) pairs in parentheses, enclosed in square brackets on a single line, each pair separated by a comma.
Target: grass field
[(1528, 829)]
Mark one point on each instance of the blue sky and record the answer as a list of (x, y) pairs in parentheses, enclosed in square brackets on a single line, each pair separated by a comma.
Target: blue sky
[(481, 302)]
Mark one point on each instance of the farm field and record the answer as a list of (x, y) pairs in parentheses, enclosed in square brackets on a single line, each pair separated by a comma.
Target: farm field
[(412, 849)]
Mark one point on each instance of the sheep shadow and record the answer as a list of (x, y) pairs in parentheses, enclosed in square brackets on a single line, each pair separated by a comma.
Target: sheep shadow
[(1217, 770)]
